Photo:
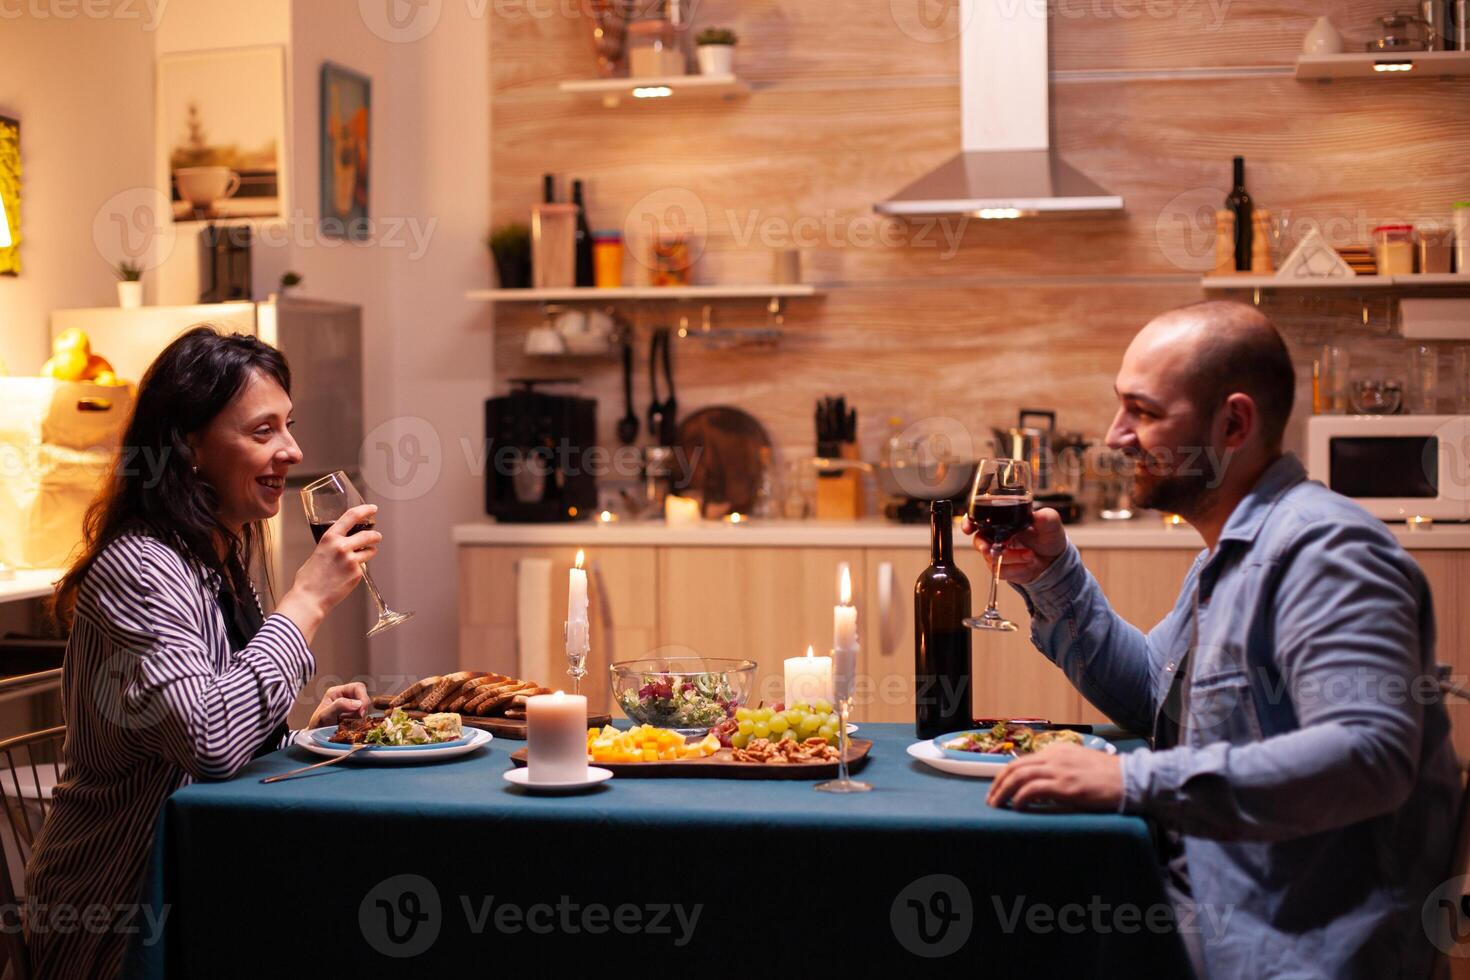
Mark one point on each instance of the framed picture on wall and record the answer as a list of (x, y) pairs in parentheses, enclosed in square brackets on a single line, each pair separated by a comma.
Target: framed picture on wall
[(10, 192), (346, 127), (222, 130)]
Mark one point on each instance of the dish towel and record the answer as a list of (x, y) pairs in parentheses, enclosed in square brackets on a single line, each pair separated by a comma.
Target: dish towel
[(533, 618)]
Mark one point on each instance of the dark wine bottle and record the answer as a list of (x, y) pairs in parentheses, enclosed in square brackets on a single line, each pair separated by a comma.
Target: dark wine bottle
[(942, 684), (548, 188), (585, 274), (1239, 204)]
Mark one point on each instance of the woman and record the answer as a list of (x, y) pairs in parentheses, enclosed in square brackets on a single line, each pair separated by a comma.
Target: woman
[(172, 673)]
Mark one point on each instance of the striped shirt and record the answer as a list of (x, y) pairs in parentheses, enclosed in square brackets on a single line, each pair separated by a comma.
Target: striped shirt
[(153, 699)]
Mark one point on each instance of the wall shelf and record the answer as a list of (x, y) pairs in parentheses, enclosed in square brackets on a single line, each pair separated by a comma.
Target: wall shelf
[(612, 92), (672, 294), (1383, 64), (1426, 280)]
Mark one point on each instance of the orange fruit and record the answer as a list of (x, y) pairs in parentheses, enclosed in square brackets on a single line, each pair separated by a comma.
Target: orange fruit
[(106, 378), (96, 364)]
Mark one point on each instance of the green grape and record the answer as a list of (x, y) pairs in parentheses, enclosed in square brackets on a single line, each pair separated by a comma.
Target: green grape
[(788, 735), (778, 724), (742, 714), (740, 740), (793, 718), (800, 706), (823, 706), (765, 714), (829, 732), (746, 726), (809, 726), (761, 730)]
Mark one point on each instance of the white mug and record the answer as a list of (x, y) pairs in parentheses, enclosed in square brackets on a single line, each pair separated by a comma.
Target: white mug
[(202, 186)]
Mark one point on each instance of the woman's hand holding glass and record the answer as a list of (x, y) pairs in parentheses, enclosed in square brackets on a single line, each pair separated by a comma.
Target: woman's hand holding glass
[(332, 571)]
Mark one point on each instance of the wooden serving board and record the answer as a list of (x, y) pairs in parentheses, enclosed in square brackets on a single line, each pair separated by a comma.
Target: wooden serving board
[(721, 766), (512, 728)]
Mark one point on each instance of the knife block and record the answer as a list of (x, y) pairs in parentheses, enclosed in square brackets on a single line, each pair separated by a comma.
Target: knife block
[(840, 495)]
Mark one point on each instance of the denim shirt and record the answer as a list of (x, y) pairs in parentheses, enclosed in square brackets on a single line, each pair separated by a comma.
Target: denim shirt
[(1312, 778)]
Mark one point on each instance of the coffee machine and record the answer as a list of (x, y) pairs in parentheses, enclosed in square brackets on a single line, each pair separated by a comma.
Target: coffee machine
[(537, 471)]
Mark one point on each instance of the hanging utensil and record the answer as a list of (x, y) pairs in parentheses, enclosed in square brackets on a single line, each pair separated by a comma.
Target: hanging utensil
[(655, 404), (628, 424), (671, 404)]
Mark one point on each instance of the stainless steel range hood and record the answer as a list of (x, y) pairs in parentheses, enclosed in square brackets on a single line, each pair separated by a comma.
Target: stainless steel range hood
[(1007, 168)]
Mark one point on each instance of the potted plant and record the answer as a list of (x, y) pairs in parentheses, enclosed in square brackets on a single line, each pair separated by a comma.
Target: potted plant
[(716, 51), (511, 248), (129, 285)]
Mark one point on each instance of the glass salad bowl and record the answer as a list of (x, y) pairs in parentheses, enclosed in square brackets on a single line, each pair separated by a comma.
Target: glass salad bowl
[(691, 695)]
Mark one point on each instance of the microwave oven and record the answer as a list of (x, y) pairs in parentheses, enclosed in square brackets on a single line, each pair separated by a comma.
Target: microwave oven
[(1395, 466)]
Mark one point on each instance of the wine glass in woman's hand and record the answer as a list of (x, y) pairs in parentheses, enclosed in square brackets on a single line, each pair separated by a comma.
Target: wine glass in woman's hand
[(326, 502)]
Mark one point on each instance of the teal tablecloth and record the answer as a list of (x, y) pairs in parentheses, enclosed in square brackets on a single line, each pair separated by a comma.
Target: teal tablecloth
[(447, 867)]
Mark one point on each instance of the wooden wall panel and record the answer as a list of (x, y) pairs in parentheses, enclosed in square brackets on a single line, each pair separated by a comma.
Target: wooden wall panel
[(852, 101)]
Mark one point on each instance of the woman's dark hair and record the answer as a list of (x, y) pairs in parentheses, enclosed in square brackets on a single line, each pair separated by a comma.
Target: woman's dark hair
[(154, 489)]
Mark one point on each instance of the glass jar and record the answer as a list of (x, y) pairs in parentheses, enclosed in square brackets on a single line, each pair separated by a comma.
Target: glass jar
[(653, 49), (1393, 246)]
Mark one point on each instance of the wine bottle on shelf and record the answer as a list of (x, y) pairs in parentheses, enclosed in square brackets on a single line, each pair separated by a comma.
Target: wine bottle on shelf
[(548, 188), (1239, 204), (942, 681), (586, 274)]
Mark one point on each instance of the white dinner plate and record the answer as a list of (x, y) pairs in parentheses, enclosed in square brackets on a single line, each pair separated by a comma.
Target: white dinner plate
[(315, 740), (926, 753), (519, 776)]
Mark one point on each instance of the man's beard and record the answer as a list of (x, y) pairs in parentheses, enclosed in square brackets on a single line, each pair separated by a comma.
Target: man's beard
[(1184, 493)]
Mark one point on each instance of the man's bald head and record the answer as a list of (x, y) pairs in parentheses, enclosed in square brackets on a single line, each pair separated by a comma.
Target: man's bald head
[(1231, 347)]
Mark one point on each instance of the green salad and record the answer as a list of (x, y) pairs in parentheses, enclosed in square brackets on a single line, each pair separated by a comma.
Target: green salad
[(680, 700), (399, 729)]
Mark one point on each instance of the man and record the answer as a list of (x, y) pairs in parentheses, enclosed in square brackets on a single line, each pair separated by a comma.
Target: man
[(1301, 769)]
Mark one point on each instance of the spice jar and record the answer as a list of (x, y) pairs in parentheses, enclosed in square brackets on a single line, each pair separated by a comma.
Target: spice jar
[(607, 259), (1393, 246)]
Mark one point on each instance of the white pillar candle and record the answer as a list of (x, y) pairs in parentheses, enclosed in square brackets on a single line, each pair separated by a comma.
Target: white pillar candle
[(808, 679), (681, 511), (556, 738)]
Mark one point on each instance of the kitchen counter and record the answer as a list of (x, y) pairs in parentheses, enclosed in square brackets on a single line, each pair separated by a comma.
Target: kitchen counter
[(869, 533), (29, 584)]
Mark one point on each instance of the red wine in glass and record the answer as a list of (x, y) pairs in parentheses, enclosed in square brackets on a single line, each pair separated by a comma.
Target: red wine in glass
[(1000, 507), (317, 530), (1000, 518)]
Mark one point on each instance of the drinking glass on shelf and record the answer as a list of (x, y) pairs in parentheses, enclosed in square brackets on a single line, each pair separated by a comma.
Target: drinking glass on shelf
[(1423, 379), (325, 501), (1000, 508)]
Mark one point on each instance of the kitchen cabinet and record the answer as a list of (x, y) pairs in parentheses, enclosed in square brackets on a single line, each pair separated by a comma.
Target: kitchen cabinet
[(764, 604), (769, 603), (622, 613)]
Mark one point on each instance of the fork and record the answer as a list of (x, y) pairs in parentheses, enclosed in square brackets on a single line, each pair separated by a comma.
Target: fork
[(325, 762)]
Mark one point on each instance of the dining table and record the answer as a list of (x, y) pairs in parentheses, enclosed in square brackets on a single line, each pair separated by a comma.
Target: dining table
[(448, 867)]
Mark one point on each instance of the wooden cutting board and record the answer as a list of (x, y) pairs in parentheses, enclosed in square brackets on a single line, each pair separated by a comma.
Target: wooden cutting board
[(512, 728), (721, 766)]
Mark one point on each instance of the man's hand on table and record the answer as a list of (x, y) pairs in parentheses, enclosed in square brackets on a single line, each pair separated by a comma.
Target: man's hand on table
[(342, 701), (1069, 775), (1029, 553)]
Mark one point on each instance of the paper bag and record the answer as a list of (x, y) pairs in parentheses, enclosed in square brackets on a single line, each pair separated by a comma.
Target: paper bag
[(58, 443)]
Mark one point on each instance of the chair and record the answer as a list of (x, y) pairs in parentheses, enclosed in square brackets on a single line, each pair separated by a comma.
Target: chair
[(30, 768)]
